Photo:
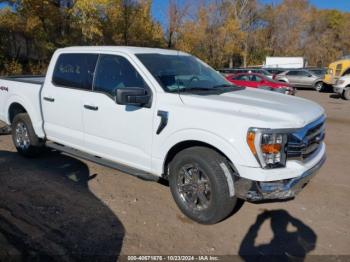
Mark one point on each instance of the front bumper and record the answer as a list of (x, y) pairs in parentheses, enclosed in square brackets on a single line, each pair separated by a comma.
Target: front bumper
[(254, 191)]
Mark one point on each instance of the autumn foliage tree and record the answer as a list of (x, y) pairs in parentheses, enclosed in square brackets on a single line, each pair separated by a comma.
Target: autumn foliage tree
[(221, 32)]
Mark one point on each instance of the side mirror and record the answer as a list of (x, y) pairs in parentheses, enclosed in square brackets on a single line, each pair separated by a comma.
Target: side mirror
[(132, 96)]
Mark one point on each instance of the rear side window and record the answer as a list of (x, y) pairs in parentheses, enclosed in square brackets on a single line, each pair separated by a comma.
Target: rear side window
[(114, 72), (292, 73), (304, 73), (242, 78), (75, 70)]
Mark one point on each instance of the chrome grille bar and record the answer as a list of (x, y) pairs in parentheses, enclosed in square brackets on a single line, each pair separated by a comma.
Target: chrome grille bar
[(305, 141)]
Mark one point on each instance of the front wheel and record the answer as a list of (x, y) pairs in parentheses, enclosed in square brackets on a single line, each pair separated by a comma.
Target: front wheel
[(24, 138), (319, 86), (201, 183), (346, 93)]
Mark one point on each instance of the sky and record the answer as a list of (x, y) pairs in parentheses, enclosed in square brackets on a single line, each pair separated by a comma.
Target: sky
[(160, 6)]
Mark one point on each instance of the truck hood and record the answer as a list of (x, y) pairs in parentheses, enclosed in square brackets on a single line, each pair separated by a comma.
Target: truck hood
[(265, 108)]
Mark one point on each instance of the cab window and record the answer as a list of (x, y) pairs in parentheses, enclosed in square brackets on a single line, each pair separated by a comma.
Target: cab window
[(338, 69), (75, 71), (114, 72)]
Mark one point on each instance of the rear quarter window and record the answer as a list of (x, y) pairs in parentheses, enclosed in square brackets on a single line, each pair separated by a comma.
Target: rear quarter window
[(75, 70)]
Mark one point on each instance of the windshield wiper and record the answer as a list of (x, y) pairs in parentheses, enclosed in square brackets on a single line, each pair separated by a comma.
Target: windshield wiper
[(195, 89)]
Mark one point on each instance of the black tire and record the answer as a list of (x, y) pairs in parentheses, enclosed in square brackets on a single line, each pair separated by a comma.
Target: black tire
[(319, 86), (209, 165), (24, 137), (346, 93)]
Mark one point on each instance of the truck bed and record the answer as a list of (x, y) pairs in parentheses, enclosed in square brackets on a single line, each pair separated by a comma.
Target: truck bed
[(24, 90), (31, 79)]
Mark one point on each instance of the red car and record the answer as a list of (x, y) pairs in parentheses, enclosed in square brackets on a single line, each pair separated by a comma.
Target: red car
[(255, 80)]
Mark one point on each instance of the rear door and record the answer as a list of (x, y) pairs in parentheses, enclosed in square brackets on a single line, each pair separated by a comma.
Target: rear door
[(62, 98), (293, 76)]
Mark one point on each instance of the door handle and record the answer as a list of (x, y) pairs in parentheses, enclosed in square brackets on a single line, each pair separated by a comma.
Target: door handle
[(49, 99), (94, 108)]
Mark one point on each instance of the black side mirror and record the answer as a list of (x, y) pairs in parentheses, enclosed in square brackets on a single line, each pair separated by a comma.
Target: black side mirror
[(133, 96)]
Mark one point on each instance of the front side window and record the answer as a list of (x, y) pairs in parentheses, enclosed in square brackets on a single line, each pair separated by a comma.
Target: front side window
[(114, 72), (75, 70), (304, 73), (182, 73)]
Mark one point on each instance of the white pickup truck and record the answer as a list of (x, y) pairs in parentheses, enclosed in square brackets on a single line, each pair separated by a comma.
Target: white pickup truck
[(166, 114)]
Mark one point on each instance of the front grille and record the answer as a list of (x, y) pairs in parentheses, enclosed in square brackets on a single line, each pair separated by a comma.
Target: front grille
[(304, 142)]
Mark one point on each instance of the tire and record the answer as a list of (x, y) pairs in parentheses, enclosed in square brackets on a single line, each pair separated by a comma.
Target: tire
[(24, 137), (199, 186), (318, 86), (346, 93)]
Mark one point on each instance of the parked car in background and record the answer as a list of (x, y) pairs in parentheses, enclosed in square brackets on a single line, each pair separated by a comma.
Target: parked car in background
[(336, 70), (301, 78), (260, 81), (317, 71), (342, 87), (230, 71)]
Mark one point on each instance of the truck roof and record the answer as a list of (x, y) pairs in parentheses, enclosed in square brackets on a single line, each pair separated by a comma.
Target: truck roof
[(124, 49)]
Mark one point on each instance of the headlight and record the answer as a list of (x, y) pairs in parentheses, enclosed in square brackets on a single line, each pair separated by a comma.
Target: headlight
[(268, 147)]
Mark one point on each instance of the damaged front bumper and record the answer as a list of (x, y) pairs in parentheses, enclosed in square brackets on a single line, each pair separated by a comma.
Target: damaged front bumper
[(254, 191)]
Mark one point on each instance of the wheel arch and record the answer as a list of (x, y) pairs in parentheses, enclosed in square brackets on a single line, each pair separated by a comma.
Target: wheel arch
[(17, 105), (14, 109), (180, 146)]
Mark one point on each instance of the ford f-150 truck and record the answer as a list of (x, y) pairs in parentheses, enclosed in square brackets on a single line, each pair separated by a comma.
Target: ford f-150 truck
[(166, 114)]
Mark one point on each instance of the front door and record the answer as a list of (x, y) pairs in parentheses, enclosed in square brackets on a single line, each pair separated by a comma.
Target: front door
[(112, 131)]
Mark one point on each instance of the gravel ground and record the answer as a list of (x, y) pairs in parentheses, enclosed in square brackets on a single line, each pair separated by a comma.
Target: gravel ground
[(60, 207)]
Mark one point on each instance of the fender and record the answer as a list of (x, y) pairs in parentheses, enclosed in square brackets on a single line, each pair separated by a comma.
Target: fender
[(34, 113), (229, 150)]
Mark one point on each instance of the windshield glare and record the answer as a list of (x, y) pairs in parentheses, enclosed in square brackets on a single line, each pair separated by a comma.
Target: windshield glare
[(182, 72)]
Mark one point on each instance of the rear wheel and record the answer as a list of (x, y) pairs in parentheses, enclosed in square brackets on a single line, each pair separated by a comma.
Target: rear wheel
[(200, 186), (24, 137), (346, 93), (319, 86)]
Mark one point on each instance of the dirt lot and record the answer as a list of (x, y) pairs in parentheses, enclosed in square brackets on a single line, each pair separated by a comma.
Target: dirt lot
[(59, 205)]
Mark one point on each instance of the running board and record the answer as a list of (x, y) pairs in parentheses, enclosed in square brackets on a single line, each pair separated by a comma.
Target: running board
[(104, 162)]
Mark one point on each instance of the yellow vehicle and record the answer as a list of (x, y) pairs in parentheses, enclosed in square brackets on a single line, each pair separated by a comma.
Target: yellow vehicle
[(336, 70)]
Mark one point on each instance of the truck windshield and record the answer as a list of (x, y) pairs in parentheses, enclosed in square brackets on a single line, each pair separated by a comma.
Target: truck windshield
[(184, 73)]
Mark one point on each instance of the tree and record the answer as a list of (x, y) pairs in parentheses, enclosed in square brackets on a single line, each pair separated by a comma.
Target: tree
[(245, 13), (176, 16)]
